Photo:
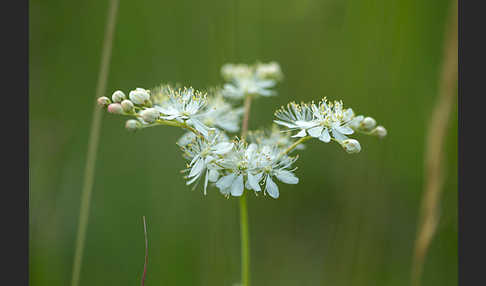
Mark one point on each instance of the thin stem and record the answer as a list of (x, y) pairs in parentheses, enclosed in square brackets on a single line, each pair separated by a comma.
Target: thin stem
[(434, 153), (93, 144), (245, 243), (246, 117), (146, 252), (295, 144)]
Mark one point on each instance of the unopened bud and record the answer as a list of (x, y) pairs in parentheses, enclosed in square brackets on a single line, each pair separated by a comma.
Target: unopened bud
[(127, 106), (103, 101), (150, 115), (139, 96), (133, 125), (118, 96), (368, 123), (379, 131), (351, 146), (115, 108)]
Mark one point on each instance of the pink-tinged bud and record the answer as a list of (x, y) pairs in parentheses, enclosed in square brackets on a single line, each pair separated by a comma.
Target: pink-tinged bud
[(103, 101), (115, 108)]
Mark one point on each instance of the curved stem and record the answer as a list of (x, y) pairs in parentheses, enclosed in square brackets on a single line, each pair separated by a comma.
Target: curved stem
[(296, 143)]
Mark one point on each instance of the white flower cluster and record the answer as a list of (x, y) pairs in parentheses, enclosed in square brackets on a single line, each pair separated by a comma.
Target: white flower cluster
[(327, 121), (254, 80), (234, 164)]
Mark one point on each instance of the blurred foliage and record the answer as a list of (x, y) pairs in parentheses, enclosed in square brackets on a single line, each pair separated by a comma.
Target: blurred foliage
[(350, 221)]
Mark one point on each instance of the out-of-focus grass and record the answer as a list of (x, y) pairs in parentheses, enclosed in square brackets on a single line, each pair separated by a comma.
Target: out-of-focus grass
[(350, 221)]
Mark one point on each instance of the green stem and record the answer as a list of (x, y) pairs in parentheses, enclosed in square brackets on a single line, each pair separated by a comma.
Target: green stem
[(93, 145), (245, 247), (296, 143)]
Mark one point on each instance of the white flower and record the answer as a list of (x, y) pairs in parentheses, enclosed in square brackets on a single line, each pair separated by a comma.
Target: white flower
[(241, 87), (232, 71), (248, 166), (139, 96), (221, 114), (318, 121), (182, 105), (204, 155), (269, 71), (265, 163)]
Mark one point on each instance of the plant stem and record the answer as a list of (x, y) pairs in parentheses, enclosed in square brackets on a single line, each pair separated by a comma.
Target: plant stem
[(296, 143), (246, 116), (93, 144), (245, 243), (434, 153)]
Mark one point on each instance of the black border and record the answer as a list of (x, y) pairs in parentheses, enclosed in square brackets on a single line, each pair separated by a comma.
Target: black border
[(472, 62), (14, 211)]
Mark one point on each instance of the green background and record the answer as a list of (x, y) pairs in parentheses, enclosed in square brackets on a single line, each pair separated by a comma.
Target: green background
[(351, 220)]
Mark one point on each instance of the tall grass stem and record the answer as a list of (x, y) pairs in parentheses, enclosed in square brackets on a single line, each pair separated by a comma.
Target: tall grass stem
[(93, 144), (434, 153)]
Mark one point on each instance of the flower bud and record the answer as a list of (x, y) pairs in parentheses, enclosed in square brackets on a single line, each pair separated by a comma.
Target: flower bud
[(139, 96), (379, 131), (115, 108), (368, 123), (351, 146), (127, 106), (133, 125), (150, 115), (103, 101), (118, 96)]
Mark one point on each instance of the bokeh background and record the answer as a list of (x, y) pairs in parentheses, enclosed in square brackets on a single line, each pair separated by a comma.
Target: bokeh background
[(351, 220)]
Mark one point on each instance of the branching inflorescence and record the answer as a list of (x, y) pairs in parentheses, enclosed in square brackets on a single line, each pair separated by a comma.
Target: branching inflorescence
[(230, 163)]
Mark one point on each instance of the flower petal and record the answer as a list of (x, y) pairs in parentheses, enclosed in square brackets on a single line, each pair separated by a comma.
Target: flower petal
[(237, 186), (271, 188), (226, 181), (286, 177), (301, 133), (222, 148), (253, 182), (345, 130), (197, 168), (213, 176), (315, 131), (325, 137)]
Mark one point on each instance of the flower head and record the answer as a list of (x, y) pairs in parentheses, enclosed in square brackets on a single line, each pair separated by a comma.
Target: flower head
[(204, 155)]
